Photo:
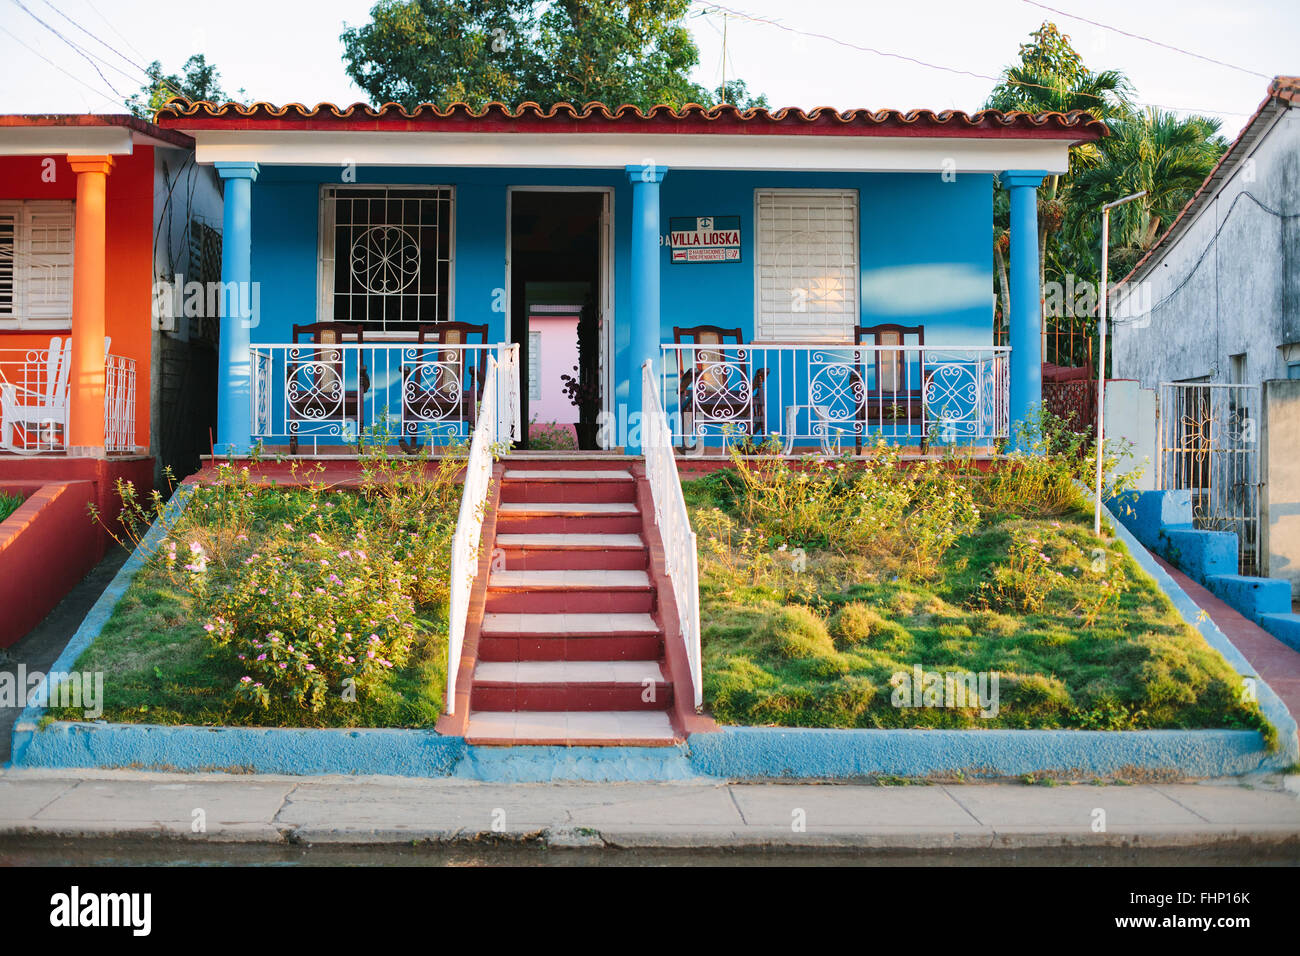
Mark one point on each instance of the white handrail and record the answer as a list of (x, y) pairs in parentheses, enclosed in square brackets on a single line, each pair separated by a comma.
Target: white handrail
[(498, 423), (681, 559)]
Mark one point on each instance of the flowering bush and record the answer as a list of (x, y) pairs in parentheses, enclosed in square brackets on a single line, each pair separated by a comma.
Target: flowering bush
[(315, 592), (310, 620)]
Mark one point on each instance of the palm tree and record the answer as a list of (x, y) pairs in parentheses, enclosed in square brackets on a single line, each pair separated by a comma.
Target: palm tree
[(1167, 155), (1051, 77)]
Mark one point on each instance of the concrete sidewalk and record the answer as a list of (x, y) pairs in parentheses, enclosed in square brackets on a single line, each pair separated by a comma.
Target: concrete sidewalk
[(270, 810)]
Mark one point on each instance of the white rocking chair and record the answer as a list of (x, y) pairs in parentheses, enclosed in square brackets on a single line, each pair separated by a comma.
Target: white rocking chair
[(37, 413)]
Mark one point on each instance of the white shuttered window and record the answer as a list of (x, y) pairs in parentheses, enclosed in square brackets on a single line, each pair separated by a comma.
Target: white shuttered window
[(806, 268), (36, 263)]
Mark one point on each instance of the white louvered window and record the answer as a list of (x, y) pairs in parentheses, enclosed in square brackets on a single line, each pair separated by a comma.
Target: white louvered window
[(36, 264), (806, 267)]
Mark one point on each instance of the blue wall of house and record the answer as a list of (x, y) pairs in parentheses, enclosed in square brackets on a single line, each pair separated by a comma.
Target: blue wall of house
[(925, 251)]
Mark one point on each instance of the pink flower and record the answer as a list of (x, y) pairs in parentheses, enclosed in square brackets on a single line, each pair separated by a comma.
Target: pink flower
[(310, 667), (245, 679)]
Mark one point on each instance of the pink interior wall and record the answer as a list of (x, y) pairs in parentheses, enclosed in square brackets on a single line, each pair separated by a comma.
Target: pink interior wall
[(558, 354)]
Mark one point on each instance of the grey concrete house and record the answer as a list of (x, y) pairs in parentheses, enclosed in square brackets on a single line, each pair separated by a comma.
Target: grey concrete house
[(1210, 318)]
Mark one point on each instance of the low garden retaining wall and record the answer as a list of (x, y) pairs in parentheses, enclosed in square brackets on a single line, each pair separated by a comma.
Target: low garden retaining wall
[(735, 752)]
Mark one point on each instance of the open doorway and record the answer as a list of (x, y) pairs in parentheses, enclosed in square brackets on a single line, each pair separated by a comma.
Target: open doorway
[(557, 313)]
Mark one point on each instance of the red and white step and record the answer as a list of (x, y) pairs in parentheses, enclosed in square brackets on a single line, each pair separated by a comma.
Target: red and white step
[(570, 651)]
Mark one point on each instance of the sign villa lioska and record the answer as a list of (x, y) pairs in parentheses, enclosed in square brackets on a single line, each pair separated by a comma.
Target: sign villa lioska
[(704, 238)]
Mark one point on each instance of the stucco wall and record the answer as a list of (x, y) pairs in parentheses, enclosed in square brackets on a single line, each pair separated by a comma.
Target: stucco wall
[(1280, 471), (128, 251), (1209, 299)]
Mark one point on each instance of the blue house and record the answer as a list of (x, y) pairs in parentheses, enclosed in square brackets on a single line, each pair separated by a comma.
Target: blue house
[(821, 278), (652, 281)]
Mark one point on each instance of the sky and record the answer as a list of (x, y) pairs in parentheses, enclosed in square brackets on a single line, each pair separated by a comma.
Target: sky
[(841, 53)]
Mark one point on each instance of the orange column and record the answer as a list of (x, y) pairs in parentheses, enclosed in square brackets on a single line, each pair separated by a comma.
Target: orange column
[(86, 382)]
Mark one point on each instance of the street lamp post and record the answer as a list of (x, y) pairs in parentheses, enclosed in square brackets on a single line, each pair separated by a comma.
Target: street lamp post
[(1101, 348)]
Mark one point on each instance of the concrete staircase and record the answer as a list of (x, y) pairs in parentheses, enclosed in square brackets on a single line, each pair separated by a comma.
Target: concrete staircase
[(570, 651)]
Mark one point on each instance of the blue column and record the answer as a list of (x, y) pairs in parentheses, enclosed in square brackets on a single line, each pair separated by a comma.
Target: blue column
[(1026, 296), (644, 326), (234, 372)]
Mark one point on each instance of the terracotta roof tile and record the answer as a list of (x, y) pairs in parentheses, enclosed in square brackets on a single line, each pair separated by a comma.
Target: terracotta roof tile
[(597, 117)]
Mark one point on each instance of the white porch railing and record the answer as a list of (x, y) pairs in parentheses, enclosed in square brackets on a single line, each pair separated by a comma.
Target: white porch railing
[(34, 398), (331, 393), (833, 394), (671, 517), (119, 403), (497, 424)]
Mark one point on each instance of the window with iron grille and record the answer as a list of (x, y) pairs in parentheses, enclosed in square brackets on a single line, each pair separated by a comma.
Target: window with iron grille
[(386, 255), (36, 248), (806, 266)]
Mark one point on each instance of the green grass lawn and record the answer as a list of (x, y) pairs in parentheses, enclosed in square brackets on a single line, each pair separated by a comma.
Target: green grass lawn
[(267, 552), (1081, 639)]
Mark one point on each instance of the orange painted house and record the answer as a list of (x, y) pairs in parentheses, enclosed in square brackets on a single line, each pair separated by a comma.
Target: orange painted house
[(95, 211)]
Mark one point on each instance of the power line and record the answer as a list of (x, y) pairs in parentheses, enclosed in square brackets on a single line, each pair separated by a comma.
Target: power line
[(1146, 39), (71, 76), (1213, 243), (767, 21), (119, 33), (102, 43), (150, 79), (74, 46)]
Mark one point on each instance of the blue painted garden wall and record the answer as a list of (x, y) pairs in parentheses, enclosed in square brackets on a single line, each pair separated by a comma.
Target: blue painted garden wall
[(925, 253)]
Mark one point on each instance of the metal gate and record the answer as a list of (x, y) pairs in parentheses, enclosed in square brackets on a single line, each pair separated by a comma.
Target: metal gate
[(1209, 443)]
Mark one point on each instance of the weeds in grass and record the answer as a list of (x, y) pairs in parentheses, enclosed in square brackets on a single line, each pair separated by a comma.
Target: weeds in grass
[(911, 514)]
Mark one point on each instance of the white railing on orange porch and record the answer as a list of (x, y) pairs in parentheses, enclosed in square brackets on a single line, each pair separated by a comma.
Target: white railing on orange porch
[(34, 398), (671, 517), (119, 403), (496, 427)]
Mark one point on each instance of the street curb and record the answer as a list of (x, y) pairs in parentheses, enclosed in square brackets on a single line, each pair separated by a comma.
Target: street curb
[(976, 839)]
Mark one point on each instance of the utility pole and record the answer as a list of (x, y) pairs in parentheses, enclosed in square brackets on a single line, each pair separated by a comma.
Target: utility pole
[(1101, 349), (724, 57)]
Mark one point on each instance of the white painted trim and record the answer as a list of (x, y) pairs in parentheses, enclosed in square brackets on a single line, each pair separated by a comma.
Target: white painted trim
[(617, 150), (606, 278), (65, 140)]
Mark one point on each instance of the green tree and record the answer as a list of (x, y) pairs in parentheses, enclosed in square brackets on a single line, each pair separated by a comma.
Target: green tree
[(198, 80), (443, 51), (617, 52), (1154, 150), (737, 94)]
